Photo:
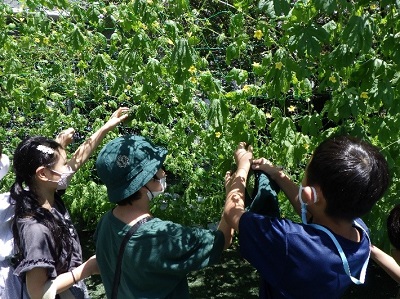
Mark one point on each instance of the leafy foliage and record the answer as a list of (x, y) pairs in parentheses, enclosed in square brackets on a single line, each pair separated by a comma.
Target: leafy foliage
[(200, 76)]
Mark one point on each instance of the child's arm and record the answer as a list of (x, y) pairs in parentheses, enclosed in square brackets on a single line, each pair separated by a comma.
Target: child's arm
[(284, 182), (40, 287), (386, 262), (235, 184), (86, 149), (227, 231), (66, 280)]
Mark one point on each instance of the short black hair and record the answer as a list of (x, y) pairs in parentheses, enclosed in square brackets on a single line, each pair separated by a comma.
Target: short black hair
[(393, 226), (352, 174), (130, 199)]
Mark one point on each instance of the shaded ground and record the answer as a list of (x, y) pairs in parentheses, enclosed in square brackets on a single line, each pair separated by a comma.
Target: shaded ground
[(235, 278)]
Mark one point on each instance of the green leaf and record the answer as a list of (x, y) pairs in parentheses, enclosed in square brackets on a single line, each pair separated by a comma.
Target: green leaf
[(342, 56), (218, 113), (3, 38), (275, 8), (311, 124), (182, 58), (77, 39), (282, 7), (99, 62), (282, 128), (238, 75), (232, 52), (382, 91), (327, 6), (171, 28), (259, 118), (11, 82), (267, 6), (391, 47), (236, 24), (358, 34), (307, 40)]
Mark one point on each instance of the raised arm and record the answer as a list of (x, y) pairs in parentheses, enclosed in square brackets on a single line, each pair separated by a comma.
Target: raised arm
[(386, 262), (86, 149), (284, 182), (236, 184), (227, 230)]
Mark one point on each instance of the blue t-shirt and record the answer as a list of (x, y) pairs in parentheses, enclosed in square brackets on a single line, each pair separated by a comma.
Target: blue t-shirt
[(296, 260)]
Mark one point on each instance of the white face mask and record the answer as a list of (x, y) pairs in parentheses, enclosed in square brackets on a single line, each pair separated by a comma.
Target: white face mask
[(4, 165), (304, 205), (65, 178), (153, 194)]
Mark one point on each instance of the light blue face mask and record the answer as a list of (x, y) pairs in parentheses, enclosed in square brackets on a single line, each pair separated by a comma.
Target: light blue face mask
[(345, 263)]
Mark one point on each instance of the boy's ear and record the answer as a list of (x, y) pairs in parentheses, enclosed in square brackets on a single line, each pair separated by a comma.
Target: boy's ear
[(309, 195)]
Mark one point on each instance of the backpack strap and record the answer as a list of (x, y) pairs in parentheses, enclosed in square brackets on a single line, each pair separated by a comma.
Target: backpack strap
[(128, 235)]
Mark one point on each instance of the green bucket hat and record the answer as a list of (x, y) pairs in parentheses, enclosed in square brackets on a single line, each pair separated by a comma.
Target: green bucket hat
[(127, 163)]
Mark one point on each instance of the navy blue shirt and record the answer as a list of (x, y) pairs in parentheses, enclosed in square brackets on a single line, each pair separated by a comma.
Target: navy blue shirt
[(296, 260)]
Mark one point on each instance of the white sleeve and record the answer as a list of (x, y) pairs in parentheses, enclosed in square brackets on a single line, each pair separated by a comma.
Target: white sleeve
[(6, 235)]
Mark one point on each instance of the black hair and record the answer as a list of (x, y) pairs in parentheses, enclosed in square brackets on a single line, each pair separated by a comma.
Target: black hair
[(130, 199), (393, 226), (1, 149), (29, 155), (352, 174)]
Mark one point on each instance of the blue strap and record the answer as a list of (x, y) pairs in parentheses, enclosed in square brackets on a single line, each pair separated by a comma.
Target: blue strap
[(343, 256)]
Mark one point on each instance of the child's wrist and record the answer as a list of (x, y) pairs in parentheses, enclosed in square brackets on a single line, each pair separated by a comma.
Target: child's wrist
[(278, 173)]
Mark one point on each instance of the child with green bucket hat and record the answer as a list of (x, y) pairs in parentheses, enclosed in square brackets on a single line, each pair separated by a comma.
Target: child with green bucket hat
[(157, 255), (322, 256)]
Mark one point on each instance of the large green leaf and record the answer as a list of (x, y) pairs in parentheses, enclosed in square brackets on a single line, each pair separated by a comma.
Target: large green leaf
[(275, 7), (342, 56), (358, 34), (77, 39), (307, 40), (218, 113)]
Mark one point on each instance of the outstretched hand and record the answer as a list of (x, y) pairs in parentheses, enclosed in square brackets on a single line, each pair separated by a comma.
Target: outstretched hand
[(117, 117), (266, 166), (243, 155), (65, 137)]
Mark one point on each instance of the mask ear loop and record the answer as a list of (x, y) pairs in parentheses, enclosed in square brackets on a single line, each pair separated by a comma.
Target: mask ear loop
[(152, 195), (315, 194), (304, 205)]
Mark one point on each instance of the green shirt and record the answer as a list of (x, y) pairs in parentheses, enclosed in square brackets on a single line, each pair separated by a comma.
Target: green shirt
[(157, 257)]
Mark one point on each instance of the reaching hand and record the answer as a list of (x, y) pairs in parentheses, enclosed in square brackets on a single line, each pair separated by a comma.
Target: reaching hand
[(266, 166), (243, 156), (65, 137), (117, 117)]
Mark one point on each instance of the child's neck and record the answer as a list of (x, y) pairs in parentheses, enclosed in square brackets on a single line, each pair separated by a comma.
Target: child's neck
[(342, 228), (46, 198), (136, 211)]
